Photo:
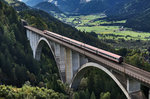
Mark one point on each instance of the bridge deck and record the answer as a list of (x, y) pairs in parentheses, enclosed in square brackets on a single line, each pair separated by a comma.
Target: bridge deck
[(134, 72)]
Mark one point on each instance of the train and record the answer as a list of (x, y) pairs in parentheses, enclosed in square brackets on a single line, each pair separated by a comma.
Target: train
[(92, 49)]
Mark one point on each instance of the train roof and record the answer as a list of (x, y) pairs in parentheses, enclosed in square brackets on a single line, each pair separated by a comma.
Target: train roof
[(103, 51), (109, 53), (92, 47)]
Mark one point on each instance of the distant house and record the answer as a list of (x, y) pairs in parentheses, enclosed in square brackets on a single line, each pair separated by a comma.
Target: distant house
[(122, 29)]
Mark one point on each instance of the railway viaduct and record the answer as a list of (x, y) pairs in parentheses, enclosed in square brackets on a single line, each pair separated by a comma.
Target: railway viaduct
[(73, 62)]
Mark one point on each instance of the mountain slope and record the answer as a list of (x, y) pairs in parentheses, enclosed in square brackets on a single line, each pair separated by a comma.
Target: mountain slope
[(80, 6), (64, 5), (128, 9), (140, 22), (33, 2), (47, 7), (19, 6), (15, 52), (137, 13), (97, 6), (16, 60)]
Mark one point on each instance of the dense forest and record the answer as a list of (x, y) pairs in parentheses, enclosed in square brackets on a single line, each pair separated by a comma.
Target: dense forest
[(17, 65), (29, 92)]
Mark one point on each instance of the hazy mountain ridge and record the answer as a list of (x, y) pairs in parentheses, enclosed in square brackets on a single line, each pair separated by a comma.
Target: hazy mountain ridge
[(79, 6), (137, 13), (32, 2), (129, 8), (140, 22), (47, 7), (112, 8)]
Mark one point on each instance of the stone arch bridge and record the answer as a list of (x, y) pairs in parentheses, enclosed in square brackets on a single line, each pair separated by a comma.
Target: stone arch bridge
[(73, 61)]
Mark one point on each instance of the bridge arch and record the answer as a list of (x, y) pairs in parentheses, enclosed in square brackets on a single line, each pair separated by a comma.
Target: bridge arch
[(38, 51), (79, 75)]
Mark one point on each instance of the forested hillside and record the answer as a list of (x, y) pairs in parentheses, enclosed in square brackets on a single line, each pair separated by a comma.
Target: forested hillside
[(140, 22), (19, 6), (97, 6), (128, 9), (136, 12), (17, 65), (13, 46), (140, 15)]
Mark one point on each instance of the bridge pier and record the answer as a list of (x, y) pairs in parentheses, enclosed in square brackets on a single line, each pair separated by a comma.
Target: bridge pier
[(149, 94), (27, 33), (33, 41), (133, 86), (83, 60), (37, 55), (75, 61), (57, 52), (69, 72), (52, 45), (62, 62), (30, 37)]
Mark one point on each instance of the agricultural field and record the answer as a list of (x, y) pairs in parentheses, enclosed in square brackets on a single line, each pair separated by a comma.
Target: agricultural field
[(111, 32), (114, 32), (105, 29)]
